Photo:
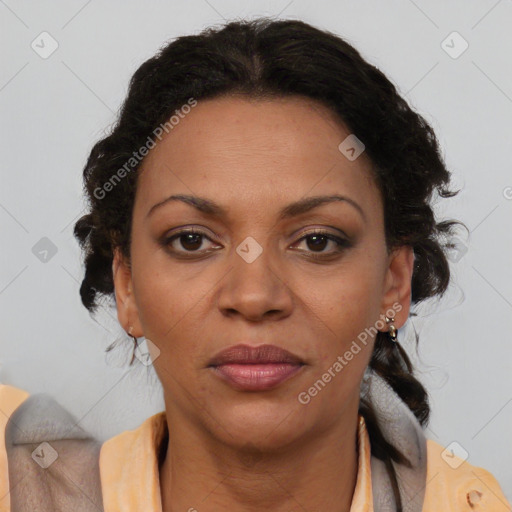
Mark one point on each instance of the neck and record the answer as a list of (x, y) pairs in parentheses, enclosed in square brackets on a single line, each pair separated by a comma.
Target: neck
[(203, 475)]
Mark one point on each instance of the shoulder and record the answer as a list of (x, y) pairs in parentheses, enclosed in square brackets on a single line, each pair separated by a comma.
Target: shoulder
[(10, 399), (454, 484), (144, 439), (147, 434), (129, 466)]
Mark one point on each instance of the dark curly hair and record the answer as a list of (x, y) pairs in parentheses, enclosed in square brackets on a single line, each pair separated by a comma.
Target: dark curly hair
[(265, 58)]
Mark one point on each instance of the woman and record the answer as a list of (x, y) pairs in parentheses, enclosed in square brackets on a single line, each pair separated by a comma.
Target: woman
[(261, 214)]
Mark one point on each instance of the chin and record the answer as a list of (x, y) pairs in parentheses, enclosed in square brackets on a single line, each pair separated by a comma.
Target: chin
[(262, 424)]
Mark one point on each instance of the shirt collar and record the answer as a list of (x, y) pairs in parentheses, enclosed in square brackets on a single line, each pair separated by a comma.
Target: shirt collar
[(130, 473)]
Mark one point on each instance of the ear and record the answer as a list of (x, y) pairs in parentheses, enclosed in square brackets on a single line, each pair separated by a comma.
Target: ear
[(127, 312), (397, 287)]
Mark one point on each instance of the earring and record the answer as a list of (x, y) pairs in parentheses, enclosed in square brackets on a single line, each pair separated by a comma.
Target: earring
[(130, 330), (392, 329)]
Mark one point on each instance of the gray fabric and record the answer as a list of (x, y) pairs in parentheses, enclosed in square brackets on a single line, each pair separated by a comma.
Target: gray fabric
[(72, 481), (53, 464), (399, 427)]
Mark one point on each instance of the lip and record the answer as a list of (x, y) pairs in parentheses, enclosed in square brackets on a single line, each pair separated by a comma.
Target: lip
[(255, 368), (246, 354)]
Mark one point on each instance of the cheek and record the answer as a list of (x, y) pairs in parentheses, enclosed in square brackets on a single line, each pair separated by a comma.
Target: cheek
[(164, 291), (346, 301), (173, 305), (344, 339)]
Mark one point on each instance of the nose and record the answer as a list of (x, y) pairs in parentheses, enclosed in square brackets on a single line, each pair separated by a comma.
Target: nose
[(255, 289)]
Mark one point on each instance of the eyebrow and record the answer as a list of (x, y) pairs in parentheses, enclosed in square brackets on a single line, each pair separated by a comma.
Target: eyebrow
[(209, 207)]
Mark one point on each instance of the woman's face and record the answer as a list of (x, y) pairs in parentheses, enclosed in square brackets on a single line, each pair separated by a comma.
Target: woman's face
[(253, 272)]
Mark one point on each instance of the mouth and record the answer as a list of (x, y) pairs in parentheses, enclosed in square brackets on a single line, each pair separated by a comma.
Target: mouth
[(255, 368)]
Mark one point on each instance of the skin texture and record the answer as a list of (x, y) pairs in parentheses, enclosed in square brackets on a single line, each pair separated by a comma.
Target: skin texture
[(259, 450)]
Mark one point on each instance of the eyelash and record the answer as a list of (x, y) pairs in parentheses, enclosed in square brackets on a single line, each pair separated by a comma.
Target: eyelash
[(342, 243)]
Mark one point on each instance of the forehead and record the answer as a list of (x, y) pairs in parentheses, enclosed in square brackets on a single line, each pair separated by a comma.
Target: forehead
[(239, 148)]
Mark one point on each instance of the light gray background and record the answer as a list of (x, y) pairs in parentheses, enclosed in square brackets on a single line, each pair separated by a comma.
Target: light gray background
[(54, 109)]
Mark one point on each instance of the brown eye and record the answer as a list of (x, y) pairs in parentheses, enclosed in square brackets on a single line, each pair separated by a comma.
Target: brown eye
[(188, 241), (317, 241)]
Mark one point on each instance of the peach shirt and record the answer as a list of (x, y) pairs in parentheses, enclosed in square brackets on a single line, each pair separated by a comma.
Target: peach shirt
[(121, 495), (130, 475)]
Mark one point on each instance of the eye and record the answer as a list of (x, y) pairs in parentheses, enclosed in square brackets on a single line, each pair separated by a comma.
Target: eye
[(190, 242), (318, 240), (187, 241)]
